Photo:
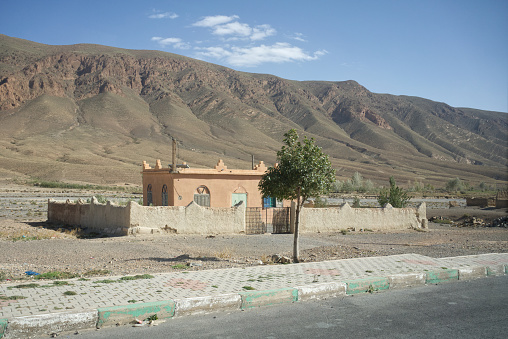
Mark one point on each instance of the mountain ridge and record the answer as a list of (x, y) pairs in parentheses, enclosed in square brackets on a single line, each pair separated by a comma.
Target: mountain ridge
[(84, 105)]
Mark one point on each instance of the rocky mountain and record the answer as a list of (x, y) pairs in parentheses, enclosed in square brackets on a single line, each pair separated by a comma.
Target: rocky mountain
[(93, 113)]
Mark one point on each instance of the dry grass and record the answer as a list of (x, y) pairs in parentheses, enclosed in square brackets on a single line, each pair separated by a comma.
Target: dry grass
[(224, 253), (24, 235)]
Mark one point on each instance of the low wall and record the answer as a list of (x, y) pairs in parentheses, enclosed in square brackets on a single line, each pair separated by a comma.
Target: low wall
[(133, 218), (194, 219), (94, 217), (344, 217), (482, 202)]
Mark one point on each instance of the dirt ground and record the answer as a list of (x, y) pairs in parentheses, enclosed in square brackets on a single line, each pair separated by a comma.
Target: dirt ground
[(27, 242)]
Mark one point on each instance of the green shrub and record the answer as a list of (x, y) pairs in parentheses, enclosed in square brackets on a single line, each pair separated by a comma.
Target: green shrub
[(356, 202), (320, 202), (394, 196)]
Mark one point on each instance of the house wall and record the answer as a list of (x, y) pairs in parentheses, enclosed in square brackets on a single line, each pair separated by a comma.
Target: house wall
[(220, 181)]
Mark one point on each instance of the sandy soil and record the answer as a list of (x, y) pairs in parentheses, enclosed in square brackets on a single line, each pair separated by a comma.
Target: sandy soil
[(63, 250)]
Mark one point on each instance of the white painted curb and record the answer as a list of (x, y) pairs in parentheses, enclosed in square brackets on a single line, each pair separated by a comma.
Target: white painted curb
[(46, 324), (321, 291)]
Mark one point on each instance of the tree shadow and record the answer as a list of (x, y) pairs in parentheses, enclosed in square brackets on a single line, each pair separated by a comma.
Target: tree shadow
[(79, 232)]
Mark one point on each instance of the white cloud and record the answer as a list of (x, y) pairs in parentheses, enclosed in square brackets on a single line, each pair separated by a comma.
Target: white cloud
[(214, 52), (211, 21), (248, 54), (233, 28), (224, 26), (169, 15), (299, 37), (262, 31), (254, 56), (175, 42)]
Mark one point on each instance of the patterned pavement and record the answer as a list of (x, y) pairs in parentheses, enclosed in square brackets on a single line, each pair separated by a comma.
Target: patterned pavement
[(50, 297)]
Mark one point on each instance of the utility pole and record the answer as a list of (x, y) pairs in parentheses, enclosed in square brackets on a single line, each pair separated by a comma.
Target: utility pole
[(252, 161)]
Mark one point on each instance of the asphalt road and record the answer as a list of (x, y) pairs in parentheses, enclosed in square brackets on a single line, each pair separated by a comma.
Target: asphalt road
[(467, 309)]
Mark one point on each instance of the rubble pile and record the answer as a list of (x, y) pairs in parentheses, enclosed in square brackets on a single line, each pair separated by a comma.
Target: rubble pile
[(499, 222)]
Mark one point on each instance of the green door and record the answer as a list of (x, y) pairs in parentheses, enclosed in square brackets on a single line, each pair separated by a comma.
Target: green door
[(237, 197)]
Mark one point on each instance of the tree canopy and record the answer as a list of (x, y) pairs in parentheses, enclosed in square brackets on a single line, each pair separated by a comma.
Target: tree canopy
[(303, 171)]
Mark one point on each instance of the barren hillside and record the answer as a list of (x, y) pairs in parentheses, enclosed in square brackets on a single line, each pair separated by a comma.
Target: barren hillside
[(89, 113)]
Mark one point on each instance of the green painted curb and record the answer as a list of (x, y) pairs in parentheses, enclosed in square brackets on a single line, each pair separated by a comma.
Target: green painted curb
[(109, 316), (268, 297), (441, 276), (3, 327), (367, 285)]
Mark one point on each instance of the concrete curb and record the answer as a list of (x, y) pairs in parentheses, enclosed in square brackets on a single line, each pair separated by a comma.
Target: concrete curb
[(365, 285), (405, 280), (44, 324), (441, 276), (3, 327), (210, 304), (321, 291), (20, 327), (269, 297), (110, 316)]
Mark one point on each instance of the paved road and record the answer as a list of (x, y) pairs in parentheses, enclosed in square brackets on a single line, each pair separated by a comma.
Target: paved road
[(465, 309)]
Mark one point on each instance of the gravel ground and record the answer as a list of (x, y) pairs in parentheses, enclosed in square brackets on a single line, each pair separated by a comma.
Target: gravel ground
[(62, 250)]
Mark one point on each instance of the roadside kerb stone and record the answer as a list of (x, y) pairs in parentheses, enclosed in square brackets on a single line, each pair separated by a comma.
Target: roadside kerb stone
[(405, 280), (367, 285), (46, 324), (110, 316), (209, 304), (268, 297), (469, 273), (3, 327), (495, 270), (441, 276), (321, 291)]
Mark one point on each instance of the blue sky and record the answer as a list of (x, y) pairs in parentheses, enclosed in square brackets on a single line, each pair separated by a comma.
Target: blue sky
[(449, 51)]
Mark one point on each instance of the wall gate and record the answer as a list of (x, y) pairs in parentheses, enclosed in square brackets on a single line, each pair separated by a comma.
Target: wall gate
[(268, 220)]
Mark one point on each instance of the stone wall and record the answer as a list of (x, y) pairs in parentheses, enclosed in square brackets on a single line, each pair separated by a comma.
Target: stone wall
[(482, 202), (502, 199), (344, 217)]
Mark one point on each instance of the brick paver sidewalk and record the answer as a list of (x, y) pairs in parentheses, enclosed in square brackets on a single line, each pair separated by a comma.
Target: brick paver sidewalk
[(97, 293)]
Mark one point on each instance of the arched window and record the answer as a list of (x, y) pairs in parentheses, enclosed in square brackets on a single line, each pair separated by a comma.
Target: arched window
[(164, 195), (149, 200), (202, 196)]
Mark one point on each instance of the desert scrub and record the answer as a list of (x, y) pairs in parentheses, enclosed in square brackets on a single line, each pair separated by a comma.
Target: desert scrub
[(224, 253), (56, 275), (137, 277), (93, 273)]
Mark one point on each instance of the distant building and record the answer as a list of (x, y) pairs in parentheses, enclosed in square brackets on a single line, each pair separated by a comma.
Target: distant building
[(217, 187)]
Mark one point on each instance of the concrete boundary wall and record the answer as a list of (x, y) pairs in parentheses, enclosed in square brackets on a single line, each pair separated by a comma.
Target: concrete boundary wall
[(135, 219), (344, 217), (194, 219)]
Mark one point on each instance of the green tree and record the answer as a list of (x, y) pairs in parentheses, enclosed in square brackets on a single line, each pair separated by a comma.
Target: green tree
[(454, 185), (303, 171), (395, 196)]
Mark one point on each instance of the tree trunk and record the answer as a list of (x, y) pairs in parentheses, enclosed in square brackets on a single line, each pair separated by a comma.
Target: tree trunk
[(296, 246)]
